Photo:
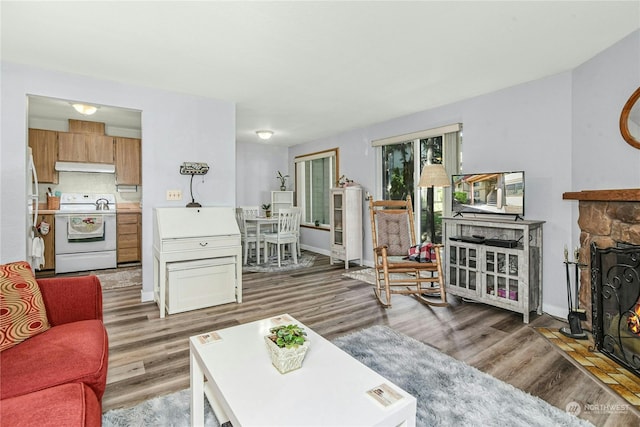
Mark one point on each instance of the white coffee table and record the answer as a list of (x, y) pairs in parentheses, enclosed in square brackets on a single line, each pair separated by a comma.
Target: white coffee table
[(330, 389)]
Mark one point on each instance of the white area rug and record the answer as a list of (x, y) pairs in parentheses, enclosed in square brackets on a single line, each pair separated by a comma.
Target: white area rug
[(367, 275), (306, 260), (448, 392)]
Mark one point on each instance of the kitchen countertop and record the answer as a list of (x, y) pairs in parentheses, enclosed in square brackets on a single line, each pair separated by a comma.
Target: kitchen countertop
[(120, 208)]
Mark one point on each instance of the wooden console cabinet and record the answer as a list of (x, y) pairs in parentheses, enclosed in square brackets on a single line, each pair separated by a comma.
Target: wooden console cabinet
[(510, 278)]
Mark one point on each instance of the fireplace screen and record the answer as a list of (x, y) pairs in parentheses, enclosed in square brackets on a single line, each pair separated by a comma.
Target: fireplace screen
[(615, 293)]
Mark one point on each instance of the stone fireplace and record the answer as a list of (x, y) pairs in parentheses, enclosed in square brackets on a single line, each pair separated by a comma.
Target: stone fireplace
[(615, 287), (606, 218)]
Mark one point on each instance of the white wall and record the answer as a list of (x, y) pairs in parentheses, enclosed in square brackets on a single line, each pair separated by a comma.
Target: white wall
[(601, 159), (532, 127), (601, 87), (256, 170), (175, 128)]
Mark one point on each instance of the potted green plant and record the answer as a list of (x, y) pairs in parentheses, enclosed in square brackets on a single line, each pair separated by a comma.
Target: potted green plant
[(287, 346), (283, 180), (267, 209)]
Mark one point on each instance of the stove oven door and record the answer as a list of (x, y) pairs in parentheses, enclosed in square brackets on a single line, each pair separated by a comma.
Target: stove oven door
[(85, 241)]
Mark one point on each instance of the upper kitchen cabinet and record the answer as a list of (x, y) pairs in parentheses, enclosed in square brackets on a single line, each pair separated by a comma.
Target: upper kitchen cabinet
[(44, 146), (83, 126), (128, 159), (85, 147)]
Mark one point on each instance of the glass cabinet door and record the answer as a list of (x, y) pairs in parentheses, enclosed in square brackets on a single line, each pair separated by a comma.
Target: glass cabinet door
[(463, 267), (337, 218), (501, 275)]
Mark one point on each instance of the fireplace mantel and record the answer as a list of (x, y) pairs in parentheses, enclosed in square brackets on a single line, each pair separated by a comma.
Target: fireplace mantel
[(623, 195)]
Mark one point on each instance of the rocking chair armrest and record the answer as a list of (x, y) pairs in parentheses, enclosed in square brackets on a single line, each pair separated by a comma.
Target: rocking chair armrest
[(381, 250)]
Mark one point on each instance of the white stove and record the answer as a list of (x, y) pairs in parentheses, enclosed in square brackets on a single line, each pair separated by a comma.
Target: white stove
[(86, 232), (87, 203)]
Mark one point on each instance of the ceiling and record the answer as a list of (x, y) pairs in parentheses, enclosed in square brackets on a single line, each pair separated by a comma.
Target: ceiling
[(310, 70)]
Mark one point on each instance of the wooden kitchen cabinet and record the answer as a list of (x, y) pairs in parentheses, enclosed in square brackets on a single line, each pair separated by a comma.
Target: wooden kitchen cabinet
[(85, 147), (44, 146), (128, 160), (84, 126), (129, 237)]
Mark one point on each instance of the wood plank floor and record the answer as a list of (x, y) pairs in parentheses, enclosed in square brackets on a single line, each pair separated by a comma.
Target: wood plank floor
[(149, 356)]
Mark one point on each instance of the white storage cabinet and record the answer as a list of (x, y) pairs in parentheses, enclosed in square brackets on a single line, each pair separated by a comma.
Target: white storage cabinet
[(197, 258), (346, 224), (281, 199)]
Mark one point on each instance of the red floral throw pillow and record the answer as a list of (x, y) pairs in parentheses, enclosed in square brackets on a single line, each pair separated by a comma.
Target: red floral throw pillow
[(22, 311)]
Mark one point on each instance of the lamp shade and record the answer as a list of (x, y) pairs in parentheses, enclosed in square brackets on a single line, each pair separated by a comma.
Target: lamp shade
[(434, 176)]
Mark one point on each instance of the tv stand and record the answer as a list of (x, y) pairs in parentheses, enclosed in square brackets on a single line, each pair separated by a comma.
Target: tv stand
[(516, 216), (503, 270)]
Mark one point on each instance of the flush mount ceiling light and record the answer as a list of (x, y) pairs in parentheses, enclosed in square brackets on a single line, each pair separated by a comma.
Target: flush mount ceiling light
[(85, 109), (264, 134)]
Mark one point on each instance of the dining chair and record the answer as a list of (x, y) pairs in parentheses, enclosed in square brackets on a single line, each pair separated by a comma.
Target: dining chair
[(286, 234), (248, 234), (297, 228), (250, 211)]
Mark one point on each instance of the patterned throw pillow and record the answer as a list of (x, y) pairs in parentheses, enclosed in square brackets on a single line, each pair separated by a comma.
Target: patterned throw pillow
[(22, 311)]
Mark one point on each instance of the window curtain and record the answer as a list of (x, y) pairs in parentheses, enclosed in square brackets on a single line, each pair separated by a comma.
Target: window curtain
[(451, 160)]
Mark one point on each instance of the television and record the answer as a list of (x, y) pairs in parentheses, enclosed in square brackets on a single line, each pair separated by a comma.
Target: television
[(498, 193)]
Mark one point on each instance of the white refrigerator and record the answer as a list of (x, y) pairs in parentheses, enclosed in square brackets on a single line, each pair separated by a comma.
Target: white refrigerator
[(35, 243)]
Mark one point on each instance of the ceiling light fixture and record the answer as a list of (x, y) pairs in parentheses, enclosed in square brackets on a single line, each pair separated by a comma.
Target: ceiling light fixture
[(85, 110), (264, 134)]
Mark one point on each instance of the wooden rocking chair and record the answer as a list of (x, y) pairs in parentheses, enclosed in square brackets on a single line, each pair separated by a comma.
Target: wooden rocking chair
[(393, 233)]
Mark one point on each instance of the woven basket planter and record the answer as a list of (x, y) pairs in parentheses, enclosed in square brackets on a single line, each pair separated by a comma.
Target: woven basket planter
[(286, 359)]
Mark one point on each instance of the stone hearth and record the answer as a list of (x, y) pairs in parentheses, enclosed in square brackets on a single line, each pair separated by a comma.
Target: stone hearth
[(606, 217)]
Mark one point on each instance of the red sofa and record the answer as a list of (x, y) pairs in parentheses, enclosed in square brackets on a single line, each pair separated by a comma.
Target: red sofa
[(58, 377)]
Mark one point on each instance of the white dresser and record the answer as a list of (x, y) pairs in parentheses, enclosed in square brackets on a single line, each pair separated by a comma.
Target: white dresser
[(197, 258)]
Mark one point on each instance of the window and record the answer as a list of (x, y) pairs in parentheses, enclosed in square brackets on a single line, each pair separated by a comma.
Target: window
[(401, 160), (316, 174)]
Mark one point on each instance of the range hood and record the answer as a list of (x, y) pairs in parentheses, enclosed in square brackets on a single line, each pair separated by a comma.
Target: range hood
[(85, 167)]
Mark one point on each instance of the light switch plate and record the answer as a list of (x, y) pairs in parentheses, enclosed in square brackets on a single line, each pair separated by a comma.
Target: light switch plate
[(174, 195)]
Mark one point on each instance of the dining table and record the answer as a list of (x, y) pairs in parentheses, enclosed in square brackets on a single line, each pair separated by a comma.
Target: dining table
[(260, 221)]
